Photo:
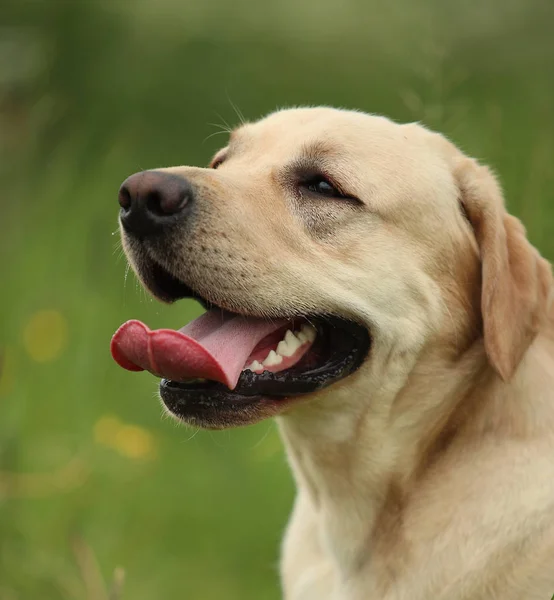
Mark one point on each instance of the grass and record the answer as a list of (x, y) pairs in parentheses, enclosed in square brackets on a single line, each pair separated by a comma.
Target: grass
[(94, 481)]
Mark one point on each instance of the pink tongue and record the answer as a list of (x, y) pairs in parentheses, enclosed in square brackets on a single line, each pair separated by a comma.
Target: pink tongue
[(215, 346)]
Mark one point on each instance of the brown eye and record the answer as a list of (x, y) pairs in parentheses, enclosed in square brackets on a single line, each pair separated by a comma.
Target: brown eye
[(320, 186), (323, 187), (217, 162)]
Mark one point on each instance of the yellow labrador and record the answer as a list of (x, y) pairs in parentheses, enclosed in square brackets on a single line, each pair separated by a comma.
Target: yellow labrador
[(364, 284)]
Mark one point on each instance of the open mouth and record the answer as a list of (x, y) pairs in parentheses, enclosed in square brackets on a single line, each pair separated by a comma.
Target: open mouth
[(223, 361)]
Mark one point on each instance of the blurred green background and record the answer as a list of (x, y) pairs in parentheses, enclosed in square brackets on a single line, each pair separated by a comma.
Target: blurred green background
[(91, 476)]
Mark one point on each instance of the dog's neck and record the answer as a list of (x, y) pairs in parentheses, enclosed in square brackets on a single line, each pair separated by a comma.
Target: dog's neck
[(354, 453)]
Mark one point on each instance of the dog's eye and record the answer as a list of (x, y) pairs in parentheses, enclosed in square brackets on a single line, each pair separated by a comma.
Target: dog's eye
[(319, 185), (311, 182), (219, 159)]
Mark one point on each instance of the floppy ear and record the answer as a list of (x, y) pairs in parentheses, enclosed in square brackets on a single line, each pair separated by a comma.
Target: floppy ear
[(516, 280)]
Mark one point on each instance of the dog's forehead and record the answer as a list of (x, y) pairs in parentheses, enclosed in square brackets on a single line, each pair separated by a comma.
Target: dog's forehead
[(339, 131)]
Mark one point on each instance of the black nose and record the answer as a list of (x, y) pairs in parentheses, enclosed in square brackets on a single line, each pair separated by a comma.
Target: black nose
[(153, 200)]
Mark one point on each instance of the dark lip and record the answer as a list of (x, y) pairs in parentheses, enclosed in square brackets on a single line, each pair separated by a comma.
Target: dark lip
[(154, 276), (344, 346), (166, 286)]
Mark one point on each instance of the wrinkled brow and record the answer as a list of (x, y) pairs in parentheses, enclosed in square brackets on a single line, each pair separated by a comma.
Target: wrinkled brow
[(316, 155), (318, 151), (330, 161)]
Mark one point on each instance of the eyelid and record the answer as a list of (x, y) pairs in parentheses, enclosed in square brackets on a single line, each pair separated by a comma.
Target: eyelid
[(335, 185), (312, 175), (303, 173), (217, 160), (305, 170)]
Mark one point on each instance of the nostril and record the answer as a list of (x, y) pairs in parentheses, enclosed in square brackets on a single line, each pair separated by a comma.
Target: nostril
[(154, 203), (152, 200), (165, 202), (124, 198)]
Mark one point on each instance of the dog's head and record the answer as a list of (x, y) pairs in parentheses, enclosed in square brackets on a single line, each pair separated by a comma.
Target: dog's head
[(323, 243)]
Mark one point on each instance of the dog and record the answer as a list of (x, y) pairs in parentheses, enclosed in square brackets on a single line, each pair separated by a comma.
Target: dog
[(365, 286)]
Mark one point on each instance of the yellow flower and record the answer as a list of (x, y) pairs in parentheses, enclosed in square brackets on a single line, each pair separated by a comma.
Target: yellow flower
[(45, 335), (131, 441), (105, 430), (134, 442)]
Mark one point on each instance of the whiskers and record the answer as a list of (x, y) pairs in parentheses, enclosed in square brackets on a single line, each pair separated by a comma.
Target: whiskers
[(237, 110), (224, 127)]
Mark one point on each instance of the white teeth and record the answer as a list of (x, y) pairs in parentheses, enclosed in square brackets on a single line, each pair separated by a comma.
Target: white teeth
[(255, 366), (285, 348), (290, 338), (309, 332), (282, 349), (292, 341), (289, 345), (301, 336), (272, 359)]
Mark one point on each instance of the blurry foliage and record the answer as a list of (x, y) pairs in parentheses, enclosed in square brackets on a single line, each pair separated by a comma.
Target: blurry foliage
[(93, 91)]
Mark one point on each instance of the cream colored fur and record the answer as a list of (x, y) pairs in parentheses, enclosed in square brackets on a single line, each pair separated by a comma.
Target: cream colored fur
[(429, 473)]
